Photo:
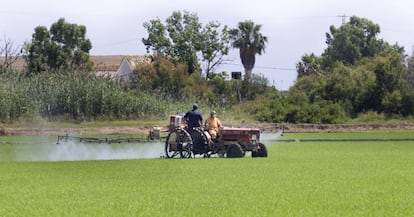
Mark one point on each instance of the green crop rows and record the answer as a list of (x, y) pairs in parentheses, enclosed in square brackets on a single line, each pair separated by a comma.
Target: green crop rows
[(297, 179)]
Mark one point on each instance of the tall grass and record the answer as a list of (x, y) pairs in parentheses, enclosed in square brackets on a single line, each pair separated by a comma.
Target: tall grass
[(74, 96)]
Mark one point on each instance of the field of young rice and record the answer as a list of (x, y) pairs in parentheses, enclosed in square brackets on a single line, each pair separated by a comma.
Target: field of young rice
[(333, 178)]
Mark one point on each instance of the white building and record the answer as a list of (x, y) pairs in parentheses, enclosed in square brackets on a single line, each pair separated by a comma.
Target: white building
[(128, 65)]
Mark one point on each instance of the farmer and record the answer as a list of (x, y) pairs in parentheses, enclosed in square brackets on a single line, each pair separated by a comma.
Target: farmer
[(213, 125), (193, 118)]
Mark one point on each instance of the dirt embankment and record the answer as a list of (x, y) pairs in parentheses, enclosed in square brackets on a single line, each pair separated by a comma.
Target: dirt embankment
[(289, 128)]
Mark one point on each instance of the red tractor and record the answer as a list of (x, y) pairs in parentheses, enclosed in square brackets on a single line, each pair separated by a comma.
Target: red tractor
[(183, 142)]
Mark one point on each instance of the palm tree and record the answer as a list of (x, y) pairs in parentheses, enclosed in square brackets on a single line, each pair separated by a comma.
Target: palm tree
[(250, 41)]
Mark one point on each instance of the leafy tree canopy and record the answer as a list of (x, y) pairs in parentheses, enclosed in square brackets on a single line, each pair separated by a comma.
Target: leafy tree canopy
[(352, 41), (63, 46), (183, 37), (250, 41), (357, 71)]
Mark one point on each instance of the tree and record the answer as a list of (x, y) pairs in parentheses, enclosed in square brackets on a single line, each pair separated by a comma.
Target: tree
[(248, 39), (183, 38), (157, 40), (257, 85), (164, 76), (410, 72), (184, 30), (63, 47), (389, 71), (352, 41), (10, 53), (222, 91), (214, 46), (310, 64)]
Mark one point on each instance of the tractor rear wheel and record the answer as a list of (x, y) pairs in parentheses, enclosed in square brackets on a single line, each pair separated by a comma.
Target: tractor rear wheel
[(201, 141), (234, 151), (178, 144), (261, 152)]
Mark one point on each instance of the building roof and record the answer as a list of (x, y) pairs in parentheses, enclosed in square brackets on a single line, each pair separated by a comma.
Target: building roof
[(112, 63), (18, 65), (129, 64), (138, 60), (102, 63), (107, 63)]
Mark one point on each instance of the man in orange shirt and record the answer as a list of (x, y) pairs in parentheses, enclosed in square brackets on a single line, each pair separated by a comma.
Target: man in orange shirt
[(213, 125)]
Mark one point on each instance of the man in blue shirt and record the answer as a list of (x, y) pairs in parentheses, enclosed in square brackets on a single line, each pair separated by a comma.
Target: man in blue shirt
[(193, 117)]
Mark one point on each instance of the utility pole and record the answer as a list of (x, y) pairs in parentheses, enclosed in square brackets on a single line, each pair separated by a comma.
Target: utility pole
[(343, 18)]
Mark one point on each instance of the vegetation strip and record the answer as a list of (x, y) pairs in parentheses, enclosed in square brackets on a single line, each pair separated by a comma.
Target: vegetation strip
[(342, 140)]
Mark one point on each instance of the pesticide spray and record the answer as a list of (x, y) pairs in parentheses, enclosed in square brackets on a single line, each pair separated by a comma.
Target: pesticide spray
[(271, 137), (78, 151), (74, 150)]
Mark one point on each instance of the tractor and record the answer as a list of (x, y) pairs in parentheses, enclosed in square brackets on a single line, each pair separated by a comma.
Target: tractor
[(182, 142)]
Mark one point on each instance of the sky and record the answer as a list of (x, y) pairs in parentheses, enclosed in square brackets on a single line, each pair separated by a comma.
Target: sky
[(293, 27)]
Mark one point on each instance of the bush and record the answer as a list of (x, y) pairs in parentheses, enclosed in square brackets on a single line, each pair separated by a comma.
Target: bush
[(371, 117), (271, 107), (323, 112)]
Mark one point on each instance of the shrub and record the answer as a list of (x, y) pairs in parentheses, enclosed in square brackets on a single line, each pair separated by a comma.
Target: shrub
[(323, 112), (371, 117)]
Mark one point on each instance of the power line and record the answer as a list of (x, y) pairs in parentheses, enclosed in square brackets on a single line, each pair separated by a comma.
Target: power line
[(264, 67)]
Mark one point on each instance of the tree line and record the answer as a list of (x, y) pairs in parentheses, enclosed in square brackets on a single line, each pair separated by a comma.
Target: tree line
[(58, 64), (357, 73)]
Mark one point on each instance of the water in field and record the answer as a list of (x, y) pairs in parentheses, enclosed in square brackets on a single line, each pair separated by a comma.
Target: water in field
[(48, 150)]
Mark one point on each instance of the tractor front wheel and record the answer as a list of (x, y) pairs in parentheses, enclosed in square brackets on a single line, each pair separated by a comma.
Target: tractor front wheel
[(261, 152), (234, 151)]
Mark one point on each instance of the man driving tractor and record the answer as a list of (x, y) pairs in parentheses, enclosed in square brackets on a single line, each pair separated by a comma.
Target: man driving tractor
[(193, 118)]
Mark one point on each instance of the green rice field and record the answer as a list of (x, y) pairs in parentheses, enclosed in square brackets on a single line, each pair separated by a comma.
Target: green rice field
[(329, 178)]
